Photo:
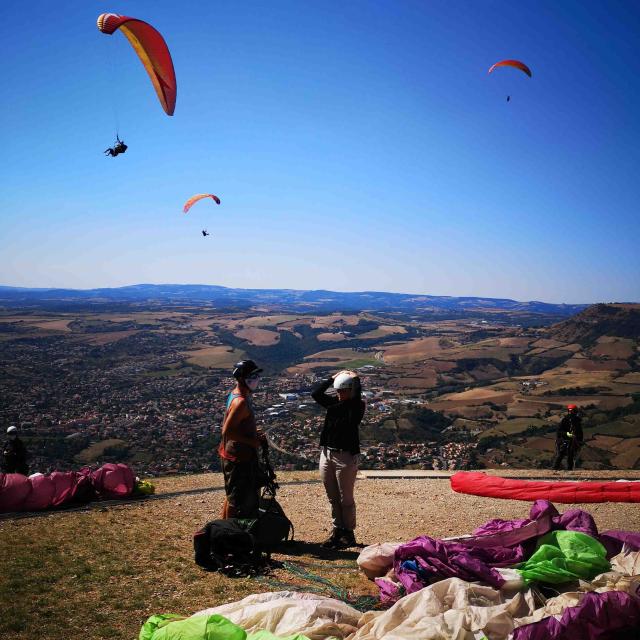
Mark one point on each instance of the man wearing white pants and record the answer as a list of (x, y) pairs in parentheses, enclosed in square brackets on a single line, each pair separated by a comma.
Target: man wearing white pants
[(339, 455)]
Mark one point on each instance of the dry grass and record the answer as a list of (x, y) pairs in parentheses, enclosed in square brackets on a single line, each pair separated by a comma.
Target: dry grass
[(413, 351), (628, 453), (383, 331), (334, 355), (331, 337), (584, 364), (96, 451), (100, 572), (53, 325), (333, 320), (216, 357), (259, 337), (614, 347), (269, 321)]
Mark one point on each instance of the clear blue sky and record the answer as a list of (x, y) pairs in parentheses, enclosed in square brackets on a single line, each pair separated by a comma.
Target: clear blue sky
[(355, 145)]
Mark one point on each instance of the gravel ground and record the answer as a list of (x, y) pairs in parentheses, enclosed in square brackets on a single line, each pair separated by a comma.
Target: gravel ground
[(394, 509)]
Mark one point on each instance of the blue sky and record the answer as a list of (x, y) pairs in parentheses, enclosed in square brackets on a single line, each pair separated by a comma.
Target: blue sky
[(356, 145)]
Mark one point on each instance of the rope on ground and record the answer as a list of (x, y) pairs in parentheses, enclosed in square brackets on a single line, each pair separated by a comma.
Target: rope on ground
[(322, 586)]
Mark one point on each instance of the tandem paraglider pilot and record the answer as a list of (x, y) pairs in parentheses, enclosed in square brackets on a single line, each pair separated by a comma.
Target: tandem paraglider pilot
[(340, 452), (14, 453), (240, 443)]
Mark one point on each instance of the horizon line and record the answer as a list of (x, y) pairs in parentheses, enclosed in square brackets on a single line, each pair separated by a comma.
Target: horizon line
[(354, 292)]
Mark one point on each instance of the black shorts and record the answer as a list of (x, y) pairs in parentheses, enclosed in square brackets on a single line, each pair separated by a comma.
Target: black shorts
[(241, 487)]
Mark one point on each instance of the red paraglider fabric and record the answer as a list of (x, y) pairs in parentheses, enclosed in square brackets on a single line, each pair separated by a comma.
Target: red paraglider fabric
[(480, 484)]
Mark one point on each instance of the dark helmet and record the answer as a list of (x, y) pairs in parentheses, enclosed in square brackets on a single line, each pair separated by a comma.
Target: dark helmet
[(244, 369)]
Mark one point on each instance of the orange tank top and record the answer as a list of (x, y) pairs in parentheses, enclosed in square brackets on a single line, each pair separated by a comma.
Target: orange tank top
[(233, 450)]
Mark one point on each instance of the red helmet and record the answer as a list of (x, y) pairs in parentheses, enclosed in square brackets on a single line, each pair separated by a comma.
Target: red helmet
[(572, 407)]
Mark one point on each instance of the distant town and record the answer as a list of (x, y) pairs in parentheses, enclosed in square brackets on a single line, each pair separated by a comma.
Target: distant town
[(148, 386)]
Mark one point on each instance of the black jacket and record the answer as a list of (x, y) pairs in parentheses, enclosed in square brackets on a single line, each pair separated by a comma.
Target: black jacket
[(570, 424), (341, 423), (14, 456)]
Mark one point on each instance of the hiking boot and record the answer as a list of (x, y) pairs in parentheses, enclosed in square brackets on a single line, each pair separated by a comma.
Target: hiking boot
[(332, 541), (347, 539)]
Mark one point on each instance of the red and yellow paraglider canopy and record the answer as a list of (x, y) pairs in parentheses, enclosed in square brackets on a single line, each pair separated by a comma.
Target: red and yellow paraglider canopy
[(152, 51)]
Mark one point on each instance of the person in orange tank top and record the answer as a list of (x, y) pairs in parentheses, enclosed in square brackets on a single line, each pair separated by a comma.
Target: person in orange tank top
[(239, 446)]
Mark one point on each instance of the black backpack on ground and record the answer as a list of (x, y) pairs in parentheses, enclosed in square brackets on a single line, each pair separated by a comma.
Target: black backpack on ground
[(227, 546), (271, 527)]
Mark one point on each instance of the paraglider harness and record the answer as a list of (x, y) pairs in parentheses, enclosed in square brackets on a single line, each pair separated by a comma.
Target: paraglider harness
[(242, 547), (118, 147)]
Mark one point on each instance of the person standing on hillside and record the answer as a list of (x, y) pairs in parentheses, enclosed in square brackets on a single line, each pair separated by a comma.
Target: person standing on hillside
[(339, 452), (14, 453), (239, 446), (569, 438)]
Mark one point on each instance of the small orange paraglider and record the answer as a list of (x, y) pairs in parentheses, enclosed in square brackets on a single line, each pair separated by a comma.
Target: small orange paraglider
[(511, 63), (516, 64), (191, 201)]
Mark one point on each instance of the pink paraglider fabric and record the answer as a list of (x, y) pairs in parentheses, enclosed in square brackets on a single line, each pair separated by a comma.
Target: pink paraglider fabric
[(37, 492), (113, 481)]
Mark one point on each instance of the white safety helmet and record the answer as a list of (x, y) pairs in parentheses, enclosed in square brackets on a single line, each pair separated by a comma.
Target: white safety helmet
[(12, 429), (345, 380)]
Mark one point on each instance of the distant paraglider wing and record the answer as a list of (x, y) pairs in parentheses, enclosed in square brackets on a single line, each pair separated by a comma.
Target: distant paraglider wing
[(512, 63), (152, 51), (191, 201)]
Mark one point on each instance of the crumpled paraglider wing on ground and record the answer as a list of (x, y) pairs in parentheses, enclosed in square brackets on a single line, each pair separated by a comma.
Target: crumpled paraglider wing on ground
[(376, 559), (152, 51), (14, 491), (478, 483), (563, 556), (212, 627), (598, 616), (450, 608), (614, 541), (37, 492), (287, 612), (426, 559), (113, 480)]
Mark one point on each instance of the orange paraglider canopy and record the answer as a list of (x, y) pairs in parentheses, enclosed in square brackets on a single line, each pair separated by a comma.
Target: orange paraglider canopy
[(512, 63), (152, 51), (191, 201)]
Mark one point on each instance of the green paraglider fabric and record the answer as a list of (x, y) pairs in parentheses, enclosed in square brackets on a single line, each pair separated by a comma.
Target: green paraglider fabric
[(169, 626), (267, 635), (172, 627), (563, 556)]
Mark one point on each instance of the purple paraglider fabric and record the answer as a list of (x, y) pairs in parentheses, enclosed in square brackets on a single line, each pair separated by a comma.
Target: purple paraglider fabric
[(425, 560), (613, 541), (612, 615), (495, 544)]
